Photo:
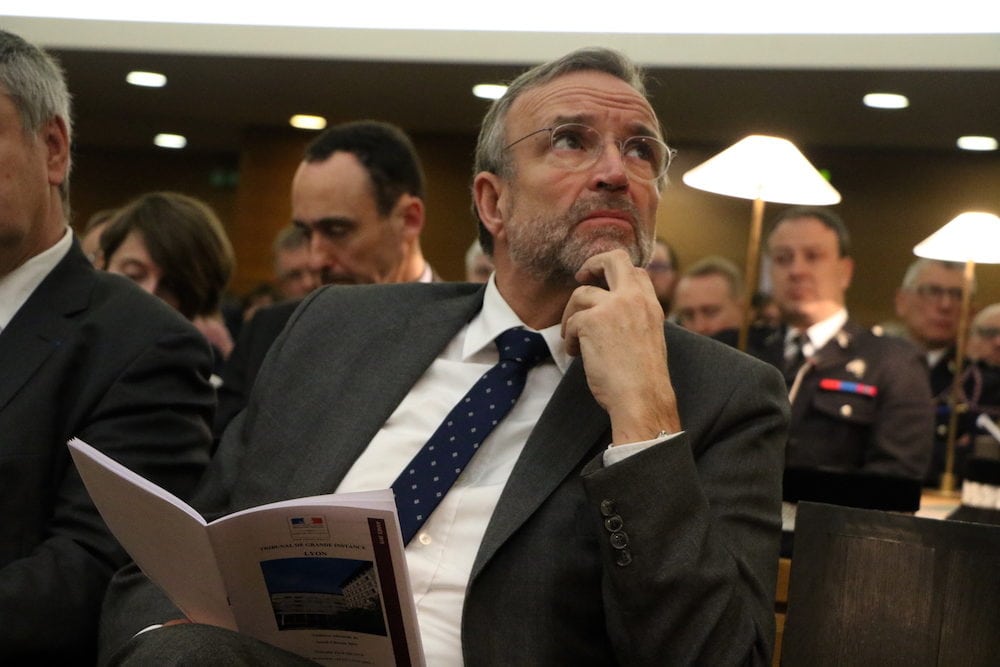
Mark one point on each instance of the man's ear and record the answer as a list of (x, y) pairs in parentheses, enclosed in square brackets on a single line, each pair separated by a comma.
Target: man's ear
[(847, 272), (411, 211), (487, 188), (55, 134)]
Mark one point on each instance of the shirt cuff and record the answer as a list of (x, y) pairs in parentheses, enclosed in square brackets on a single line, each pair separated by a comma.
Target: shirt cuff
[(613, 455)]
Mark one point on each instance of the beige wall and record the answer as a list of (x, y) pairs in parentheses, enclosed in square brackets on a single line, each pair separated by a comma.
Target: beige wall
[(891, 201)]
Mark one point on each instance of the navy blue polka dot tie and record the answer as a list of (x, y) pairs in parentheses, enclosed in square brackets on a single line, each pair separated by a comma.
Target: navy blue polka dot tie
[(427, 478)]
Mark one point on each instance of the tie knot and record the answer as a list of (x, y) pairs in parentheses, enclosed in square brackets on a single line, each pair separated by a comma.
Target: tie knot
[(796, 343), (522, 345)]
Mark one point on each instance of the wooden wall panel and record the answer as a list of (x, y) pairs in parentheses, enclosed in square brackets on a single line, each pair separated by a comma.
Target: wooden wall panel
[(892, 200)]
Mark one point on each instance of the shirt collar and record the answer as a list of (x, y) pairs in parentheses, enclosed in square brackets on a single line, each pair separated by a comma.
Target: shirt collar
[(427, 275), (18, 285), (496, 317), (820, 333), (935, 356)]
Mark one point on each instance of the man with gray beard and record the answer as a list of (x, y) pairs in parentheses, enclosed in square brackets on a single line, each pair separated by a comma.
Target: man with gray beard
[(626, 510)]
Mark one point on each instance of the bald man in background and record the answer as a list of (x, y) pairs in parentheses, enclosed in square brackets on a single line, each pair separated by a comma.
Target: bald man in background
[(358, 199)]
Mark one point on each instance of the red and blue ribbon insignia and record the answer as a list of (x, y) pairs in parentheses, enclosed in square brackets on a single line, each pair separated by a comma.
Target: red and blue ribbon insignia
[(830, 384)]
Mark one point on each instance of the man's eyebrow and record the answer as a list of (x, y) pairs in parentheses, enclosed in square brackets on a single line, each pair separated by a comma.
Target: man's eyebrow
[(562, 119), (636, 128), (639, 129), (325, 222)]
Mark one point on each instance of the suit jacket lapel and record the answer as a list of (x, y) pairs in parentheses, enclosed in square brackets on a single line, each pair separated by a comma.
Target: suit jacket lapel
[(567, 432), (427, 330), (42, 324)]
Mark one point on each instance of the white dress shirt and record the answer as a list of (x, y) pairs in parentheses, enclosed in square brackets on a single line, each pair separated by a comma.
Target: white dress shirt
[(817, 335), (440, 557), (18, 285)]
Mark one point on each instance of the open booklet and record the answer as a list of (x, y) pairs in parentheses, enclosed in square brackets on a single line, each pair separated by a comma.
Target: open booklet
[(324, 576)]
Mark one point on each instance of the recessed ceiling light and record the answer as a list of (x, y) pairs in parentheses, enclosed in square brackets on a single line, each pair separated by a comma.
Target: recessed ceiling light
[(147, 79), (170, 140), (306, 122), (489, 91), (886, 101), (974, 143)]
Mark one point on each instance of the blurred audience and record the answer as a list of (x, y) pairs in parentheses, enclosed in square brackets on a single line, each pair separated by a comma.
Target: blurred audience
[(175, 247), (928, 303), (478, 265), (765, 311), (293, 274), (709, 296), (90, 238), (984, 336), (261, 296), (663, 270)]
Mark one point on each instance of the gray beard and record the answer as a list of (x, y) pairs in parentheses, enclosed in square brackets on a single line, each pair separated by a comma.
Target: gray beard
[(550, 252)]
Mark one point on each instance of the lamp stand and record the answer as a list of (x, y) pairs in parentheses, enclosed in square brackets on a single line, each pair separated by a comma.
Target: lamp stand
[(955, 403), (753, 262)]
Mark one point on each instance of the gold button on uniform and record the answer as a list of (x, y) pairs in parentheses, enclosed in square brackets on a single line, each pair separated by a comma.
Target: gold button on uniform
[(846, 410)]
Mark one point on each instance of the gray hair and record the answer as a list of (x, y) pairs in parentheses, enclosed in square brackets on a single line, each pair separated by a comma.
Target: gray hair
[(490, 156), (986, 313), (714, 265), (35, 82), (290, 237), (917, 267)]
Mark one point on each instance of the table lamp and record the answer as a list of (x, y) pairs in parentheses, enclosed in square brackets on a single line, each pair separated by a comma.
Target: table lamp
[(973, 236), (761, 168)]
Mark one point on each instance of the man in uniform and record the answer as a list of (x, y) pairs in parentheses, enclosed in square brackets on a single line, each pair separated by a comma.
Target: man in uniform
[(860, 402), (929, 304)]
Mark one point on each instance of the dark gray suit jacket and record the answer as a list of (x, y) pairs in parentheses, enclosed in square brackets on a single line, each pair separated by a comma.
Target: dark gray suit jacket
[(835, 429), (88, 355), (701, 514)]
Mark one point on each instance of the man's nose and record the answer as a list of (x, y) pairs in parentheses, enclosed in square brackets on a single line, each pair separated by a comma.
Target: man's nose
[(797, 264), (609, 171), (322, 254)]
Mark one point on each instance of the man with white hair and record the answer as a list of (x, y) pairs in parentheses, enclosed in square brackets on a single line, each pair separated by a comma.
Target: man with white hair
[(82, 353), (929, 303)]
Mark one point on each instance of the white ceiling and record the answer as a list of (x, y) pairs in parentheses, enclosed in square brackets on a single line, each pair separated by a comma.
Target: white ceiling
[(708, 89)]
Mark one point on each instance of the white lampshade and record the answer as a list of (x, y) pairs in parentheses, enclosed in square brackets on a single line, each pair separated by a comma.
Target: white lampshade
[(972, 236), (762, 167)]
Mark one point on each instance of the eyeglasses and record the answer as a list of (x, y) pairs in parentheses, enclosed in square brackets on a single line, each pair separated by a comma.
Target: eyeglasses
[(988, 332), (937, 292), (575, 147), (659, 267)]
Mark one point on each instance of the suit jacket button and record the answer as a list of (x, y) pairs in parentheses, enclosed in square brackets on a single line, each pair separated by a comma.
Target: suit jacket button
[(613, 523), (619, 540), (623, 558), (607, 507)]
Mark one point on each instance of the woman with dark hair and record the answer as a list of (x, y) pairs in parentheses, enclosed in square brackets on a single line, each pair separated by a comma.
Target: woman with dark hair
[(175, 247)]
